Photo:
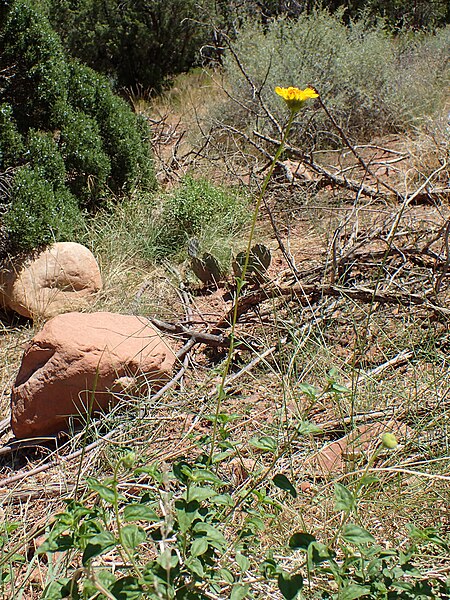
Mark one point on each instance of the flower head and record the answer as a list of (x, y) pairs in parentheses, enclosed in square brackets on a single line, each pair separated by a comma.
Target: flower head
[(389, 441), (294, 97)]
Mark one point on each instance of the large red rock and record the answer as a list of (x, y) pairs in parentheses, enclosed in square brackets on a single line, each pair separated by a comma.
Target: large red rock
[(61, 278), (84, 362)]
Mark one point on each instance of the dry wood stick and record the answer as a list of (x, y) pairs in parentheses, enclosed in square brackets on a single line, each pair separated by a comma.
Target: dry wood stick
[(309, 292)]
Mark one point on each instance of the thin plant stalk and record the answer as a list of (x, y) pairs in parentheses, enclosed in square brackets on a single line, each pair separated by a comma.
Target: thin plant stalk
[(240, 281)]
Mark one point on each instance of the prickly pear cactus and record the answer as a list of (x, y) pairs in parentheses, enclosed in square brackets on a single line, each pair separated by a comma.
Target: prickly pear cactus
[(258, 263), (206, 268), (261, 258)]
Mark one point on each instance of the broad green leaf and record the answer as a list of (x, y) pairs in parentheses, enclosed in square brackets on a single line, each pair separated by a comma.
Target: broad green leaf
[(107, 493), (269, 568), (98, 544), (224, 500), (282, 482), (187, 513), (167, 560), (318, 553), (199, 546), (213, 535), (221, 456), (301, 540), (105, 577), (225, 575), (368, 480), (239, 591), (265, 443), (182, 471), (195, 566), (140, 512), (58, 590), (352, 591), (356, 535), (309, 390), (307, 428), (255, 523), (132, 535), (199, 475), (200, 493), (153, 472), (339, 388), (343, 498), (57, 543), (127, 588), (243, 562), (290, 585)]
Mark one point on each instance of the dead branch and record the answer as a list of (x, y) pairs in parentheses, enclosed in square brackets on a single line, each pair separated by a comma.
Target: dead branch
[(310, 293), (216, 341)]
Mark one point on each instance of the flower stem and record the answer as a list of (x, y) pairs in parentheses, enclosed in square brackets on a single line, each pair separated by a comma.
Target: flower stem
[(241, 281)]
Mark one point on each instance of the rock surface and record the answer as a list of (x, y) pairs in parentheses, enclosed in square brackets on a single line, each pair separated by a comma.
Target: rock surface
[(346, 453), (59, 279), (80, 363)]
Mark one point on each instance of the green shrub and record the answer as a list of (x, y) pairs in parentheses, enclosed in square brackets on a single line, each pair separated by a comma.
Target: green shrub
[(11, 143), (38, 213), (88, 166), (134, 42), (45, 158), (197, 208), (125, 143), (125, 136), (371, 81), (33, 51), (64, 121)]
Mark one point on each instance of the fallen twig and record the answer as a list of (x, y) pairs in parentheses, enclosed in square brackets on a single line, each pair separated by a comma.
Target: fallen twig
[(200, 337), (308, 293)]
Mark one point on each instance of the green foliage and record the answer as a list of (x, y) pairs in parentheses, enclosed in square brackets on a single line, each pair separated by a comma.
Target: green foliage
[(125, 136), (175, 541), (45, 158), (370, 81), (180, 551), (38, 212), (400, 14), (199, 208), (88, 165), (361, 568), (32, 51), (135, 42), (11, 143), (65, 123)]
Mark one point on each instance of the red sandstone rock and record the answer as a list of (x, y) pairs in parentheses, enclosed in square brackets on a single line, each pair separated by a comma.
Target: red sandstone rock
[(83, 362), (345, 454), (61, 278)]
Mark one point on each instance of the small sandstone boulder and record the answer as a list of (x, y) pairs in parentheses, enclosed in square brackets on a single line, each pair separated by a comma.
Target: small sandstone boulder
[(80, 363), (61, 278)]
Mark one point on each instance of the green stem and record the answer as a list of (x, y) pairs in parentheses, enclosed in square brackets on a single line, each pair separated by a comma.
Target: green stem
[(241, 281), (123, 547)]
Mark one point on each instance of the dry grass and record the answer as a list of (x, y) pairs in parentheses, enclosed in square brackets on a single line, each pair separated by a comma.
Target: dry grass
[(308, 339)]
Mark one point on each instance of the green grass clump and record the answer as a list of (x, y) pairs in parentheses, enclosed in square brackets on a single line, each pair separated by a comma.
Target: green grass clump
[(152, 227), (197, 208)]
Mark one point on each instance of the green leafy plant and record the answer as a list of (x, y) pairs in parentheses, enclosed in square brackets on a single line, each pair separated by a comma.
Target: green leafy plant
[(135, 43), (171, 540), (38, 213)]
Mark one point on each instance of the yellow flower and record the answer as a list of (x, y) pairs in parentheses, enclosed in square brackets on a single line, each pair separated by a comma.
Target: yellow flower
[(294, 97)]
